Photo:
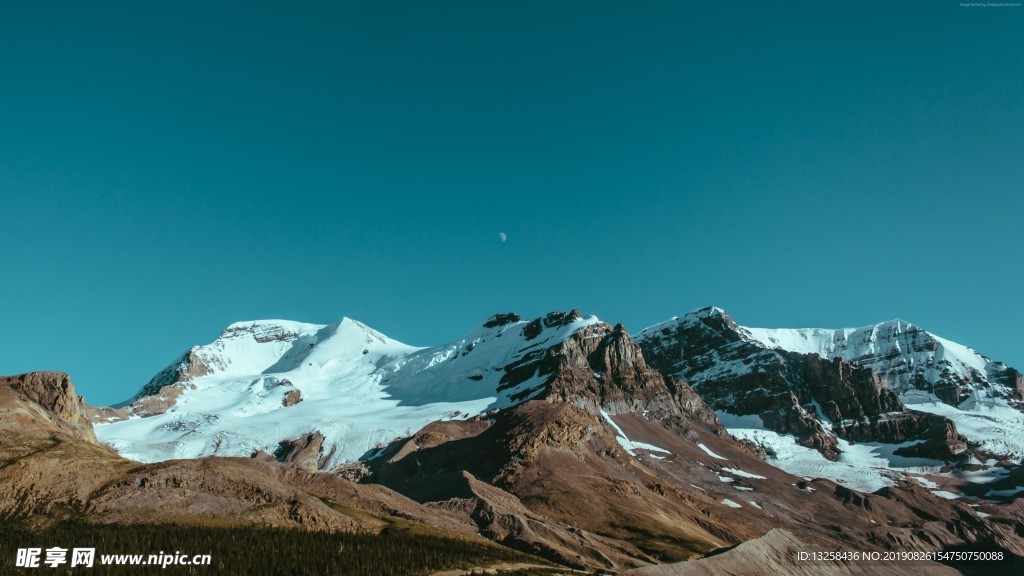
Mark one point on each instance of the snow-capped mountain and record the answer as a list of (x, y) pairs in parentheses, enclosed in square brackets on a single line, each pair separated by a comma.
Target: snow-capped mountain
[(912, 362), (851, 405), (561, 435), (892, 383), (264, 383)]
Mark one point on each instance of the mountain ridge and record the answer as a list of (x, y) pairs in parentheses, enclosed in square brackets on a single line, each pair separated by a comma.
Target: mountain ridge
[(339, 393), (561, 436)]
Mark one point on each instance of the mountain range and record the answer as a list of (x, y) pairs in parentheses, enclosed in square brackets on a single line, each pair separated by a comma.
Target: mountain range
[(684, 447)]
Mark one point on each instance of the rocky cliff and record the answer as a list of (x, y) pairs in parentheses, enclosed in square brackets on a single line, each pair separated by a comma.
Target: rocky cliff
[(44, 400), (814, 398)]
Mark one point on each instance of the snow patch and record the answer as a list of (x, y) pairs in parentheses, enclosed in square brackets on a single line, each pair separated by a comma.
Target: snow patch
[(990, 422), (742, 474), (628, 445), (709, 452), (863, 466), (926, 482)]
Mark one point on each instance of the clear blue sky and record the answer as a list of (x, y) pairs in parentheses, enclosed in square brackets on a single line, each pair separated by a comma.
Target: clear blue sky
[(169, 168)]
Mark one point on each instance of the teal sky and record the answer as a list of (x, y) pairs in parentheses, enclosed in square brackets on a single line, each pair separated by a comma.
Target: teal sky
[(169, 168)]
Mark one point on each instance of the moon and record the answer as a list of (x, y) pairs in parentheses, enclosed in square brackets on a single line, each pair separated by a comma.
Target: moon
[(502, 236)]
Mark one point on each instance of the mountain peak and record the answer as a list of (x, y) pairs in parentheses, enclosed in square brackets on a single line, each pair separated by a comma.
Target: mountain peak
[(708, 311), (274, 380), (502, 319)]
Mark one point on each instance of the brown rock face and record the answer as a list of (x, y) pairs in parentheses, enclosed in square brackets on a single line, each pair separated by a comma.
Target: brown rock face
[(549, 475), (162, 391), (304, 452), (49, 395), (600, 367), (1014, 379), (292, 397), (189, 366), (862, 409)]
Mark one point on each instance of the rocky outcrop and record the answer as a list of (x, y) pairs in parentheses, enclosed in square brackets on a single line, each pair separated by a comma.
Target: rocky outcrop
[(502, 319), (49, 396), (699, 346), (190, 365), (601, 368), (163, 390), (291, 398), (261, 332), (303, 452), (1013, 379), (553, 320), (937, 435), (861, 408)]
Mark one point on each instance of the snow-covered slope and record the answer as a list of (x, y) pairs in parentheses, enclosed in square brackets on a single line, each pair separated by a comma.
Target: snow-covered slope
[(266, 382)]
